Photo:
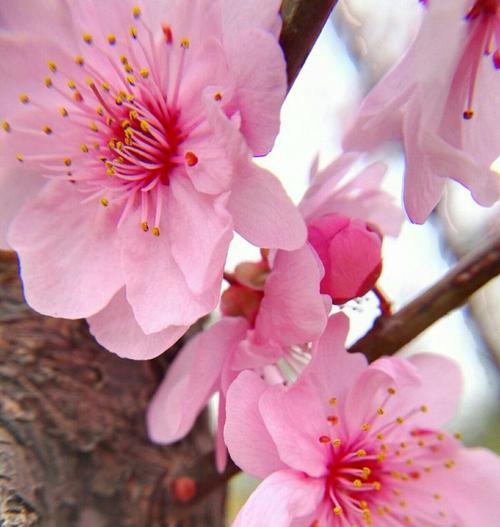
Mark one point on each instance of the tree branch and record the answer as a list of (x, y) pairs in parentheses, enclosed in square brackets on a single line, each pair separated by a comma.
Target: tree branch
[(303, 21), (391, 333)]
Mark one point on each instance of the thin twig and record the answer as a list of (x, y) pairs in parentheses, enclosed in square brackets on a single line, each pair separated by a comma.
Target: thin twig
[(303, 21), (391, 333)]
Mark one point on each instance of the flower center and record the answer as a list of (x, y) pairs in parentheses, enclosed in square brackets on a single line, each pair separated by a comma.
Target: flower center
[(373, 470), (118, 132)]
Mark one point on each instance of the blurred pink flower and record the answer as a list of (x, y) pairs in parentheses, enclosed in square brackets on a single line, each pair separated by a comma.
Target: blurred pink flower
[(271, 312), (352, 444), (442, 101), (126, 158), (345, 220)]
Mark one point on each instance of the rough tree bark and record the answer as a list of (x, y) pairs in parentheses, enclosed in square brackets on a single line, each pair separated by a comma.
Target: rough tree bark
[(73, 446)]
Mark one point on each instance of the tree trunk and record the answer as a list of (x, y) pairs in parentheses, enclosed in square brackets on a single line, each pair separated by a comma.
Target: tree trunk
[(73, 445)]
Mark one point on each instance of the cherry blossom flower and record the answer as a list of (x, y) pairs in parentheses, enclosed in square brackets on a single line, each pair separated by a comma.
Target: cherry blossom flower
[(345, 220), (272, 310), (353, 445), (128, 131), (441, 100)]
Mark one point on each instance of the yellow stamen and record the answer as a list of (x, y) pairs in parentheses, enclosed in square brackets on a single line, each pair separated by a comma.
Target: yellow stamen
[(72, 84), (79, 60), (84, 148), (131, 80), (87, 38), (136, 11), (24, 98), (93, 127), (105, 86), (48, 82), (47, 129), (6, 126), (112, 39), (52, 66), (155, 231), (104, 202), (144, 73), (63, 112), (185, 43), (145, 226), (337, 510), (145, 126), (133, 32), (20, 157), (67, 162)]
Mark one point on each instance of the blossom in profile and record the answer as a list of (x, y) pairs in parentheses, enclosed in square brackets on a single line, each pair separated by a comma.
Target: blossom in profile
[(352, 445), (442, 102), (128, 130), (346, 219), (271, 311)]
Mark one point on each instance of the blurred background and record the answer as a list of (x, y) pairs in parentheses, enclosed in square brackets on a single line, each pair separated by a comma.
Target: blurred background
[(358, 45)]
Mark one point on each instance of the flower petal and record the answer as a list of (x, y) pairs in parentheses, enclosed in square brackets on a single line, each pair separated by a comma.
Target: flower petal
[(263, 213), (156, 287), (78, 245), (257, 62), (284, 411), (249, 443), (193, 377), (292, 310), (115, 328), (290, 494), (16, 188), (474, 476), (200, 234)]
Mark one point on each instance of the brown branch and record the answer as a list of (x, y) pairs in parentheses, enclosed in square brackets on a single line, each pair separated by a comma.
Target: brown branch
[(389, 334), (303, 21)]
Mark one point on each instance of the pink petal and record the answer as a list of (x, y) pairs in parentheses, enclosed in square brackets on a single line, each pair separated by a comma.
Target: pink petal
[(263, 213), (26, 76), (284, 412), (200, 235), (51, 19), (470, 489), (220, 148), (292, 310), (279, 499), (15, 188), (244, 14), (440, 389), (70, 263), (191, 380), (370, 392), (333, 370), (116, 329), (249, 443), (423, 188), (156, 287), (257, 62)]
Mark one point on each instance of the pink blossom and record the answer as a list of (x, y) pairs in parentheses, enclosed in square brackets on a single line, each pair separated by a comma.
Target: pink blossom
[(441, 100), (126, 158), (352, 445), (345, 221), (272, 310)]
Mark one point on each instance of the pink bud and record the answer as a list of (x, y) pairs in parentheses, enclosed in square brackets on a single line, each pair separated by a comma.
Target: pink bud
[(350, 251)]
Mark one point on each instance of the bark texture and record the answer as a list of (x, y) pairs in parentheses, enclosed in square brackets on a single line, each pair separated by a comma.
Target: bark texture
[(73, 446)]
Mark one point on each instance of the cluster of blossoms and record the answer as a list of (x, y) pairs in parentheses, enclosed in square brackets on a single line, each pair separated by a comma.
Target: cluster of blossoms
[(129, 129)]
